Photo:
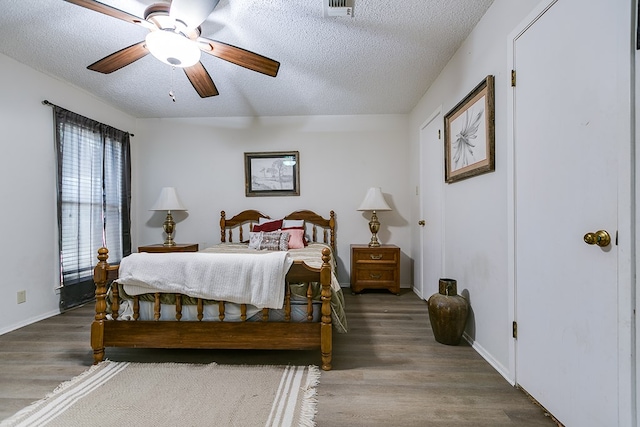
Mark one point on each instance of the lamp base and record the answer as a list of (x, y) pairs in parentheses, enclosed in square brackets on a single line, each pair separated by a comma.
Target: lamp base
[(374, 226), (374, 242), (169, 227)]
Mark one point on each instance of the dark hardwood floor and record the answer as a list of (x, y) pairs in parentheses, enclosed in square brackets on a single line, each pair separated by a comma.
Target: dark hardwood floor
[(387, 371)]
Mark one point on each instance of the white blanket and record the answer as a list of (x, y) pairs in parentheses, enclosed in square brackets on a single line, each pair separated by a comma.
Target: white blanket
[(256, 279)]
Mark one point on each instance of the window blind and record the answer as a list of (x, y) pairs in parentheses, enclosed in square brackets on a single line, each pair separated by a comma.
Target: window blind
[(93, 198)]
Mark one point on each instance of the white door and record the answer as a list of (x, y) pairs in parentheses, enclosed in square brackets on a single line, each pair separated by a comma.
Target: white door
[(566, 106), (430, 226)]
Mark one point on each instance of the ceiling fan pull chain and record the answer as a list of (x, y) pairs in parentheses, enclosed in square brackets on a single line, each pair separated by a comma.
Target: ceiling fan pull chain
[(171, 94)]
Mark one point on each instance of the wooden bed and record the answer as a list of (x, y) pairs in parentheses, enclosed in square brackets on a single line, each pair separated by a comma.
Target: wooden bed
[(108, 331)]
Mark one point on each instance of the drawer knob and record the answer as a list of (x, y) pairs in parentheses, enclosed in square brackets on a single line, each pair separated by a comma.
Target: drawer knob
[(375, 276), (375, 257)]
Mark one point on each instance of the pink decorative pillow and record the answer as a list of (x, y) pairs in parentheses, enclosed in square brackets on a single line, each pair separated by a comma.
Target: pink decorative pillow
[(296, 237), (268, 226)]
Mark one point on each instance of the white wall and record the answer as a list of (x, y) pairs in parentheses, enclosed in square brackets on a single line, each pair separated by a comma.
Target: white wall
[(28, 255), (340, 158), (475, 210)]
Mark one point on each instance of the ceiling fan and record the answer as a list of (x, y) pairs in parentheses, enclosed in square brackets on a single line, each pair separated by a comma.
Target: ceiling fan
[(174, 38)]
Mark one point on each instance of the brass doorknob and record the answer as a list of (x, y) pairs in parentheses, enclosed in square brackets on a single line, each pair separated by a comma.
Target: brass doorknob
[(600, 238), (421, 222)]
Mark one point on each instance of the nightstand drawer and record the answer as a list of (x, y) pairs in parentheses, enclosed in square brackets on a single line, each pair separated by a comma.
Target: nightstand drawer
[(377, 274), (375, 255)]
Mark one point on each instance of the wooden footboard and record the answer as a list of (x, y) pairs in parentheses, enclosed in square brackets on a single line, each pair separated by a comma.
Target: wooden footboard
[(213, 335)]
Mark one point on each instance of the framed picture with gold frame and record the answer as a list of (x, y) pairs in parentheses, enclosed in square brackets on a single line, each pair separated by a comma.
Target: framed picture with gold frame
[(469, 134), (272, 173)]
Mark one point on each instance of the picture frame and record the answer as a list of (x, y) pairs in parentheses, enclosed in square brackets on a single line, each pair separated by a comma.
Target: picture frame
[(469, 134), (274, 173)]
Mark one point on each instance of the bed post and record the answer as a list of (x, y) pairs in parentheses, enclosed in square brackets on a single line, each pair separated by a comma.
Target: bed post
[(325, 326), (223, 228), (97, 327), (332, 228)]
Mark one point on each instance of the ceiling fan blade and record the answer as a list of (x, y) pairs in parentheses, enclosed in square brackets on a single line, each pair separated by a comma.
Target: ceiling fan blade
[(241, 57), (201, 80), (112, 11), (121, 58), (192, 12)]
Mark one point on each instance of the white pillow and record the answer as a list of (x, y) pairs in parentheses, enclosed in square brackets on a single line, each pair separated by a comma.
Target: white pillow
[(255, 238), (263, 220)]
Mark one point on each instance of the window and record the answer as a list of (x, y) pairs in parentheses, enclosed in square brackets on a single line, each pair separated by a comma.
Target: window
[(94, 194)]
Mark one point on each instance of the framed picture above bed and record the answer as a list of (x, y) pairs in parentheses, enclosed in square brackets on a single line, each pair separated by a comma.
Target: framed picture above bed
[(469, 134), (272, 173)]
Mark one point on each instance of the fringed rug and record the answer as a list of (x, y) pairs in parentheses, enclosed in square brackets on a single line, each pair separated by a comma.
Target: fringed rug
[(172, 394)]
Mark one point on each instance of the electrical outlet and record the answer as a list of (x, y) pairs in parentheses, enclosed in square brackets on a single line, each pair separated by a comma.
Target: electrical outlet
[(22, 297)]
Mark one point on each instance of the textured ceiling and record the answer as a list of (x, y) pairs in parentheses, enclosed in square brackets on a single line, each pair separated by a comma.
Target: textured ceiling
[(380, 61)]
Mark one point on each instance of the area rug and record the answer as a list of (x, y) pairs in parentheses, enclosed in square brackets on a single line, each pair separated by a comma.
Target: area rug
[(172, 394)]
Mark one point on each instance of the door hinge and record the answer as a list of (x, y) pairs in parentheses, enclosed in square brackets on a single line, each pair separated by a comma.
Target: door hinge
[(513, 78), (439, 137), (515, 329)]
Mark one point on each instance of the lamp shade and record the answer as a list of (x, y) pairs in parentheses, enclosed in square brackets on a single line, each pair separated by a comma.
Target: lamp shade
[(168, 201), (374, 201)]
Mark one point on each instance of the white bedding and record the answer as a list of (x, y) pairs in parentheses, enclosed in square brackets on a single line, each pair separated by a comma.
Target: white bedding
[(311, 255), (211, 313), (255, 279)]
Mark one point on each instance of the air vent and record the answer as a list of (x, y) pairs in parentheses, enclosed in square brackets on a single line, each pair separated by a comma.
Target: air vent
[(337, 8)]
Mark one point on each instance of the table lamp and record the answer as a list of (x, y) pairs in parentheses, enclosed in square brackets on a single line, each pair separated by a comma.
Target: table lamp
[(168, 201), (374, 201)]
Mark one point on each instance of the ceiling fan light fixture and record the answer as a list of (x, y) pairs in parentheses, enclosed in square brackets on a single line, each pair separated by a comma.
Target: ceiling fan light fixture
[(173, 48)]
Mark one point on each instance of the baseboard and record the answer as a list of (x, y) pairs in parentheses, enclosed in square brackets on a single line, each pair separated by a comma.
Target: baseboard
[(27, 322), (487, 356), (482, 352)]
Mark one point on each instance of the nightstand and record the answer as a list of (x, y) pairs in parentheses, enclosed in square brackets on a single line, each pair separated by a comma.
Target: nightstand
[(375, 268), (184, 247)]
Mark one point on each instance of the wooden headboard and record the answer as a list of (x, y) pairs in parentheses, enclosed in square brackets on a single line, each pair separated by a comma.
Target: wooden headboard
[(318, 229)]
